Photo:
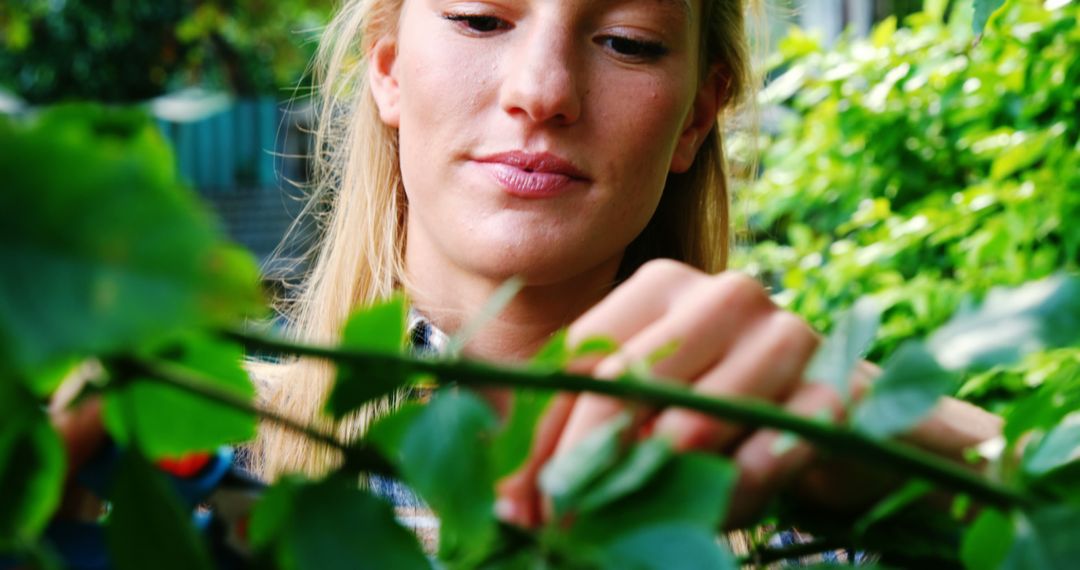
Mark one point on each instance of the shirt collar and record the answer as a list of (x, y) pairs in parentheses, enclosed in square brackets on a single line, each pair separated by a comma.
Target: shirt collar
[(425, 338)]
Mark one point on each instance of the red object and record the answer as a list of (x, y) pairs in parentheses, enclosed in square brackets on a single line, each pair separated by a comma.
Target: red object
[(242, 529), (186, 466)]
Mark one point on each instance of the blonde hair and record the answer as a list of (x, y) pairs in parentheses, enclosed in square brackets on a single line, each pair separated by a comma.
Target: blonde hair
[(359, 255)]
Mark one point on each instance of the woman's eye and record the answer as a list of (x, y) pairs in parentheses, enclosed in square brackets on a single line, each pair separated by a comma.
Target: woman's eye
[(478, 24), (634, 49)]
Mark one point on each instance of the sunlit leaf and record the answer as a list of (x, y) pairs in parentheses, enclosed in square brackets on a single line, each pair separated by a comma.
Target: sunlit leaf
[(378, 329), (553, 355), (331, 524), (556, 353), (1022, 155), (1059, 447), (170, 421), (148, 527), (848, 342), (109, 251), (595, 346), (910, 385), (983, 10), (1011, 323)]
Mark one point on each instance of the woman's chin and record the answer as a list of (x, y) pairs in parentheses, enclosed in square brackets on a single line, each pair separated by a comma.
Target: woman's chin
[(541, 264)]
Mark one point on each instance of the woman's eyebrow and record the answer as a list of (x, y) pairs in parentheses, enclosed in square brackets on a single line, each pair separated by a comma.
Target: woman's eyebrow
[(681, 6)]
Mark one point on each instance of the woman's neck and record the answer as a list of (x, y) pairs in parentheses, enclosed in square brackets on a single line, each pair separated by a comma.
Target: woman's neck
[(451, 298)]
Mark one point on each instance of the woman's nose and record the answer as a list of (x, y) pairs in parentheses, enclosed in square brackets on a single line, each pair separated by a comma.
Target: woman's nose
[(540, 77)]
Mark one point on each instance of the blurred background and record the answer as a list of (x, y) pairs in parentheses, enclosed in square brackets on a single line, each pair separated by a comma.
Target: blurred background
[(918, 151)]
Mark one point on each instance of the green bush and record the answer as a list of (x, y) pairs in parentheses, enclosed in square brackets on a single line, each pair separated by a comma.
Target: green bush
[(123, 51), (922, 167)]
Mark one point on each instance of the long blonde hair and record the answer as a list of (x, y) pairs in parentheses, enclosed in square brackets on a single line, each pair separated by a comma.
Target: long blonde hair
[(360, 206)]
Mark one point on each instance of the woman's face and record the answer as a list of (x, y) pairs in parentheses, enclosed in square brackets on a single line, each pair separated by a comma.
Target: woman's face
[(536, 135)]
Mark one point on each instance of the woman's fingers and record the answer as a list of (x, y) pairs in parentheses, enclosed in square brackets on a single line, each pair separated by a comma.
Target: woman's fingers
[(700, 328), (641, 300), (725, 337), (769, 459), (766, 363)]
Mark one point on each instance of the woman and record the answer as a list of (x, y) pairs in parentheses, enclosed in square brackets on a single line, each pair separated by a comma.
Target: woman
[(573, 143)]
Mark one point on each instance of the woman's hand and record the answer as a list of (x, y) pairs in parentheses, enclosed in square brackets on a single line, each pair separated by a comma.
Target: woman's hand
[(727, 339)]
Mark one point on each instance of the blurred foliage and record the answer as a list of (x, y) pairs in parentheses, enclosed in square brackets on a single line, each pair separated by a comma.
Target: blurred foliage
[(128, 50), (923, 166)]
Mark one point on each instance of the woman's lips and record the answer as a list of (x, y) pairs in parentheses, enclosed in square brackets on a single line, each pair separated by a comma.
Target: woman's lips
[(531, 175)]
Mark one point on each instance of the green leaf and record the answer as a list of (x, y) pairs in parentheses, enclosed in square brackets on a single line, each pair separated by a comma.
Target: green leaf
[(983, 10), (553, 356), (556, 354), (668, 547), (514, 441), (629, 475), (147, 526), (1011, 323), (110, 251), (1045, 538), (595, 346), (691, 489), (32, 466), (567, 475), (852, 336), (442, 452), (379, 329), (910, 385), (1058, 448), (331, 524), (1022, 154), (987, 541), (170, 422), (1041, 409), (893, 503)]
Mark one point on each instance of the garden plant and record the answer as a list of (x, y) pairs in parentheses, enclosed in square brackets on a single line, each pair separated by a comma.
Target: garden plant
[(918, 205)]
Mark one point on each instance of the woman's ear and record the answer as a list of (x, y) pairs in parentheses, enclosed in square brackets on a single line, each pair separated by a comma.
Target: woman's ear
[(710, 97), (383, 81)]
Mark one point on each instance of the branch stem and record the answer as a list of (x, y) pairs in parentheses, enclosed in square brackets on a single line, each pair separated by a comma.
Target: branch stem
[(885, 453)]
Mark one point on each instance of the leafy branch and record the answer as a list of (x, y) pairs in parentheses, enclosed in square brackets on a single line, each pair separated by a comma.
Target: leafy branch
[(885, 454), (358, 457)]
